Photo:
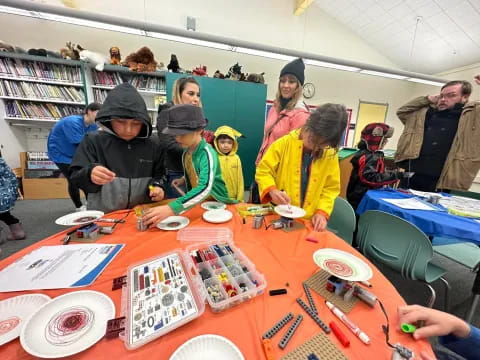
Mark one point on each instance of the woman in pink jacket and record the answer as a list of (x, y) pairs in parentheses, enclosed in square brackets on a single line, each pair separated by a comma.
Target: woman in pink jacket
[(288, 112)]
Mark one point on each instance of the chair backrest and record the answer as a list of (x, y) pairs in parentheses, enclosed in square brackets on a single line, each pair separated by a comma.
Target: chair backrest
[(342, 221), (390, 240)]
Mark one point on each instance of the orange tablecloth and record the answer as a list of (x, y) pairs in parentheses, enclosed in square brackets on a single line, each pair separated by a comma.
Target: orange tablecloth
[(281, 257)]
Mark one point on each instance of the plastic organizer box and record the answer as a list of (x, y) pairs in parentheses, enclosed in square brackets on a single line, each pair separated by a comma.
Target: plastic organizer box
[(229, 277), (170, 290)]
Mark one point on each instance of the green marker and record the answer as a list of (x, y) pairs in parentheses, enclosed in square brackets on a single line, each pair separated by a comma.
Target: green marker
[(408, 328)]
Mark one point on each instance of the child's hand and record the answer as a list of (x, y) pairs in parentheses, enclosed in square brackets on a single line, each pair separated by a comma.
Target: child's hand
[(156, 193), (279, 197), (319, 222), (154, 215), (178, 182), (100, 175)]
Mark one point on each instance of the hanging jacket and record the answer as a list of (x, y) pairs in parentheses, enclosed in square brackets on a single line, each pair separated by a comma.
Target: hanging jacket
[(463, 160), (280, 168), (231, 164), (136, 163), (368, 173), (281, 123), (210, 181), (8, 187)]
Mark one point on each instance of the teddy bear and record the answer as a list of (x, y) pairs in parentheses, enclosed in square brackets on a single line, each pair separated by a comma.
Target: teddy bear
[(173, 66), (235, 73), (94, 58), (218, 75), (142, 60), (256, 78), (69, 52), (115, 57), (6, 47)]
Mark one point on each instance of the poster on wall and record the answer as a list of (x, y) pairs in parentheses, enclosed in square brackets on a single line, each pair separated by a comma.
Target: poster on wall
[(343, 141)]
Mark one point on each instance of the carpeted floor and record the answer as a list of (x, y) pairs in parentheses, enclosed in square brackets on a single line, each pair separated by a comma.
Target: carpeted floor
[(38, 218)]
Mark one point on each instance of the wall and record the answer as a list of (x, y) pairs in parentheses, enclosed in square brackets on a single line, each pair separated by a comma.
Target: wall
[(322, 34)]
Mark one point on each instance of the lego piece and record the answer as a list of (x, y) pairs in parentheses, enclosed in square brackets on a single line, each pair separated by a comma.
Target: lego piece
[(121, 281), (312, 356), (288, 335), (279, 325), (320, 346), (310, 298), (408, 328), (314, 316), (115, 327), (277, 292), (268, 349)]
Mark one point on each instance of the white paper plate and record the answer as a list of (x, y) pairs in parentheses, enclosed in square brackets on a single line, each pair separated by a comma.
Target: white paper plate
[(342, 264), (15, 311), (290, 211), (217, 216), (207, 347), (68, 324), (213, 205), (173, 223), (79, 218)]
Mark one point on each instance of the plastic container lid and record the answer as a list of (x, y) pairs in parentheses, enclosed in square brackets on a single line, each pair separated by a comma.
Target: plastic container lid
[(204, 234)]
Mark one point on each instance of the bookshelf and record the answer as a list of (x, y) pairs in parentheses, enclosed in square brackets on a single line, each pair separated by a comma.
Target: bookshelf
[(38, 91), (152, 86)]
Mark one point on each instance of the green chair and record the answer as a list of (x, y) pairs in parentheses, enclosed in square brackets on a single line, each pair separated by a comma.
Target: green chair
[(342, 221), (387, 239), (463, 253)]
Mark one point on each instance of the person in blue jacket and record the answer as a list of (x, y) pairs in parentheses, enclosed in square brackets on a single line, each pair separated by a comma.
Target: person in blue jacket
[(63, 141), (454, 333)]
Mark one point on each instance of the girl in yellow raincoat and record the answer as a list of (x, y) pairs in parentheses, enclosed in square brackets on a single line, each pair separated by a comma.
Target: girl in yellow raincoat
[(302, 169), (226, 145)]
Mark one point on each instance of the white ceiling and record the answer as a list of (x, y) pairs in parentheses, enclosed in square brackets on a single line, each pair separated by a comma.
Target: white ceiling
[(448, 34)]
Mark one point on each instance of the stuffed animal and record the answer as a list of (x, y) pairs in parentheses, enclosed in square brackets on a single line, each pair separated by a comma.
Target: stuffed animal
[(70, 52), (173, 66), (37, 52), (6, 47), (142, 60), (115, 57), (161, 67), (200, 71), (235, 73), (94, 58), (218, 75), (256, 78)]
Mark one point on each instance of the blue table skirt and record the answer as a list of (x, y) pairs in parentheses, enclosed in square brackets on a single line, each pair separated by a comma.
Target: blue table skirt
[(433, 223)]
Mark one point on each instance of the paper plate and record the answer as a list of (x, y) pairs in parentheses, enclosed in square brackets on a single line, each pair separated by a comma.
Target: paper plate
[(213, 205), (67, 325), (217, 216), (290, 211), (342, 264), (207, 347), (15, 311), (173, 223), (79, 218)]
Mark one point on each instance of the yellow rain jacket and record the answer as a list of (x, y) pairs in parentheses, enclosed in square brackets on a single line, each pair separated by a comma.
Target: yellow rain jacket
[(280, 168), (231, 164)]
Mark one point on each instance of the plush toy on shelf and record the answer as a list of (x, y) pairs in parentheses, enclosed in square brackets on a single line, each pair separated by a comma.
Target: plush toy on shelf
[(235, 73), (94, 58), (115, 57), (218, 75), (161, 67), (6, 47), (173, 66), (142, 60), (200, 71), (69, 52), (256, 78)]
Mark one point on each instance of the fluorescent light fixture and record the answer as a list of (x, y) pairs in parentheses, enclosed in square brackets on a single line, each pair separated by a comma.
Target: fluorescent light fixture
[(383, 74), (266, 54), (428, 82), (331, 65), (188, 40), (71, 20)]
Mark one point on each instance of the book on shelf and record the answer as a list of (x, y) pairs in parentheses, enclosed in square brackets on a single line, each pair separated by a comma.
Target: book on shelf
[(26, 109), (140, 82), (40, 91), (40, 70)]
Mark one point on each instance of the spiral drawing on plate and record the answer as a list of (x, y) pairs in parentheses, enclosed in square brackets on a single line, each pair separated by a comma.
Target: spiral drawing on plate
[(338, 267), (84, 219), (68, 325), (8, 325)]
